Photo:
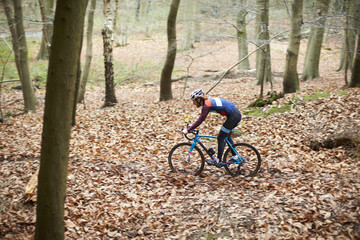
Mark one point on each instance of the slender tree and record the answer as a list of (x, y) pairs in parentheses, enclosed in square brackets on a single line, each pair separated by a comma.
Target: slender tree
[(241, 33), (355, 76), (47, 16), (30, 100), (349, 37), (313, 50), (110, 97), (165, 81), (63, 64), (86, 71), (188, 38), (263, 58), (291, 79)]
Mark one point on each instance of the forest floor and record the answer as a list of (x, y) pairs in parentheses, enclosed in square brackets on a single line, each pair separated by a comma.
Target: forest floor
[(119, 182)]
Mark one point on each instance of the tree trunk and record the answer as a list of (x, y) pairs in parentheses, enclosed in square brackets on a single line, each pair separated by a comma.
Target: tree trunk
[(355, 76), (242, 34), (110, 98), (68, 25), (88, 59), (47, 18), (349, 37), (165, 81), (30, 100), (312, 59), (188, 26), (291, 79), (11, 22), (263, 58)]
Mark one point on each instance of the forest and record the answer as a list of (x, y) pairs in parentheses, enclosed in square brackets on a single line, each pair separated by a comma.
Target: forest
[(94, 96)]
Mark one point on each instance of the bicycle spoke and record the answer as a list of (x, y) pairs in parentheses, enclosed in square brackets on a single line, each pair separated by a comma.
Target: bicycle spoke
[(249, 162), (182, 162)]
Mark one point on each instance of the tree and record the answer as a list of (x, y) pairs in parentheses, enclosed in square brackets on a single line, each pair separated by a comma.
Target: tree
[(355, 76), (88, 59), (313, 50), (110, 97), (46, 17), (291, 79), (349, 37), (165, 81), (263, 58), (16, 26), (242, 34), (188, 38), (63, 63)]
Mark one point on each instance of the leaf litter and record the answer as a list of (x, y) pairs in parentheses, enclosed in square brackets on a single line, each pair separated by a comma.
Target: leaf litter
[(120, 186)]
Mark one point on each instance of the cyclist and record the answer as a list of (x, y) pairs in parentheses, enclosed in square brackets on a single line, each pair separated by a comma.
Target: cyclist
[(223, 107)]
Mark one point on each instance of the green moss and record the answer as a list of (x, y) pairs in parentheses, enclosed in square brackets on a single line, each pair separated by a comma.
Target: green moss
[(281, 109), (343, 92), (316, 96)]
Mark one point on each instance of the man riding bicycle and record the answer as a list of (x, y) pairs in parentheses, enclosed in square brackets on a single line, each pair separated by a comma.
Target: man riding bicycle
[(223, 107)]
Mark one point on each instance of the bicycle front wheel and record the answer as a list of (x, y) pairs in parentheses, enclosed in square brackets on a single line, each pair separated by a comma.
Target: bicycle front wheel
[(183, 162), (249, 163)]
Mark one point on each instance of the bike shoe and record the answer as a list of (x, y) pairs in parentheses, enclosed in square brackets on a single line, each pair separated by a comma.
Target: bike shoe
[(214, 162), (233, 159)]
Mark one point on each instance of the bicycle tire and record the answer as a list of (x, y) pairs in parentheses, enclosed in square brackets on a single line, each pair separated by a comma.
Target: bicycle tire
[(177, 157), (251, 164)]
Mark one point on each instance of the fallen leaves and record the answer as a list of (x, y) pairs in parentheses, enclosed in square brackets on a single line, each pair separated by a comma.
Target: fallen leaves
[(120, 185)]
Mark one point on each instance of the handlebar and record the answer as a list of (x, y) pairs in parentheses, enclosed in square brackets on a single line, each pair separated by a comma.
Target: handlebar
[(194, 132)]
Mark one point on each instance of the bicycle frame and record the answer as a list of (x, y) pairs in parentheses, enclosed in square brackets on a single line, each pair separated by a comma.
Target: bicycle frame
[(197, 140)]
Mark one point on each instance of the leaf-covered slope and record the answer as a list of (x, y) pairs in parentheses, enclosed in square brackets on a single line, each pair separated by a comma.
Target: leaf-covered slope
[(120, 185)]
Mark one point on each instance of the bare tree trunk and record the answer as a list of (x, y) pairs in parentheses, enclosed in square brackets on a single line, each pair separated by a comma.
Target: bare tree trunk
[(69, 21), (47, 18), (242, 34), (188, 26), (88, 59), (355, 76), (11, 22), (312, 58), (263, 58), (45, 31), (349, 37), (291, 79), (30, 100), (165, 81), (110, 98)]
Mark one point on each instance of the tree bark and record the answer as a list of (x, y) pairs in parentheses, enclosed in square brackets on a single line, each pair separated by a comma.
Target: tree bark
[(242, 34), (110, 97), (188, 26), (263, 58), (86, 71), (47, 18), (291, 79), (349, 37), (355, 76), (30, 100), (166, 73), (11, 22), (313, 50), (63, 64)]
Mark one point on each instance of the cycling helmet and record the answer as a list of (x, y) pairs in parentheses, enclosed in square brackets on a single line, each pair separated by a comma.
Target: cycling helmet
[(196, 94)]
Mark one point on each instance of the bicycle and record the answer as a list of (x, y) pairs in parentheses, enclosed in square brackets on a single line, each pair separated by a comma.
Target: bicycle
[(186, 157)]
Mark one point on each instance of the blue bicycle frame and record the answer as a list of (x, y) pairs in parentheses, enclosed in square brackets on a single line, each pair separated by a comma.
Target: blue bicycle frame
[(197, 140)]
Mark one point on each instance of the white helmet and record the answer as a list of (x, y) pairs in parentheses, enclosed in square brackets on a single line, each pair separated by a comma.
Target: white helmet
[(196, 94)]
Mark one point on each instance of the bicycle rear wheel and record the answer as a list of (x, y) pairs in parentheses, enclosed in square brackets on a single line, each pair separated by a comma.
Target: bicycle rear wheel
[(181, 162), (251, 160)]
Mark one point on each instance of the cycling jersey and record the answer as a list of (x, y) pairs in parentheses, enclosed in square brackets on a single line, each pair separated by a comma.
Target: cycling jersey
[(218, 105)]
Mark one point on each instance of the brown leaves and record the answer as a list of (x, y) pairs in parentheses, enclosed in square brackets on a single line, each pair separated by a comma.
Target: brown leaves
[(120, 186)]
